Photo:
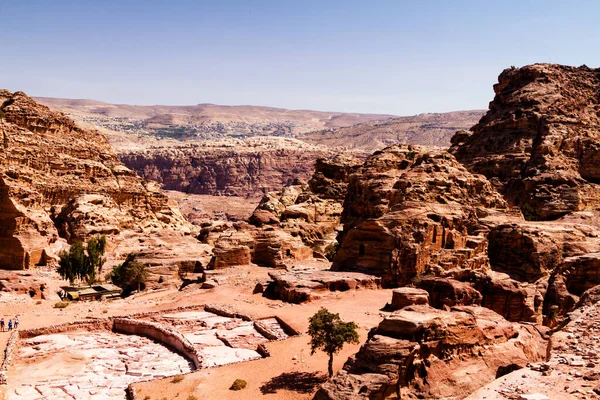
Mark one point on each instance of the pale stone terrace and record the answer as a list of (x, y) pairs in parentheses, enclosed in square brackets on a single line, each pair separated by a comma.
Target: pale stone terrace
[(101, 364), (221, 340), (88, 365)]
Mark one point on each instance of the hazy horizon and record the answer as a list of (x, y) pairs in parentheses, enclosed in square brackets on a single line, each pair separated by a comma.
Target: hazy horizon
[(389, 57)]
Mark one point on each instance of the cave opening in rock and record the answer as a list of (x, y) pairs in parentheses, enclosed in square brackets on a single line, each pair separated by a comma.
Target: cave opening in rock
[(361, 250), (507, 369)]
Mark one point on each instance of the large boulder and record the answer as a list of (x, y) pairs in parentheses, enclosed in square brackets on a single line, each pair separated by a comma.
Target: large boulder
[(277, 248), (446, 292), (407, 296), (303, 286), (231, 249)]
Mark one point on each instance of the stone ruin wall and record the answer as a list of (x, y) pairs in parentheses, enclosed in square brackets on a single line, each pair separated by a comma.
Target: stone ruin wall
[(130, 324), (167, 337)]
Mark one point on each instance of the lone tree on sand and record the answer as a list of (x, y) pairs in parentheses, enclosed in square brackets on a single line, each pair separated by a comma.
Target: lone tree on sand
[(329, 333)]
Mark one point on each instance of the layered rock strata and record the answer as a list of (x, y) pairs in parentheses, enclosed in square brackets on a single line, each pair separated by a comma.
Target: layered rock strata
[(247, 168), (538, 141)]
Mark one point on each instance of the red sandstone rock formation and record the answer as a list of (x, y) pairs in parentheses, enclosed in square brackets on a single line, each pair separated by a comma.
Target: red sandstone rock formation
[(422, 352), (289, 225), (59, 180), (538, 141), (412, 210), (406, 296)]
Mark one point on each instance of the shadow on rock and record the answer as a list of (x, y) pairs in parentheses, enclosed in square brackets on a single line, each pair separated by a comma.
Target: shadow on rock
[(301, 382)]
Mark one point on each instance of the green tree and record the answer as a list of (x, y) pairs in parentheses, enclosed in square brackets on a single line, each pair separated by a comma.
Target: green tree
[(130, 275), (81, 263), (329, 333), (71, 264), (134, 275), (96, 246)]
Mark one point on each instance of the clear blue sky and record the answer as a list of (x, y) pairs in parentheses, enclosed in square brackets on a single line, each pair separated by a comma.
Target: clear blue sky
[(399, 57)]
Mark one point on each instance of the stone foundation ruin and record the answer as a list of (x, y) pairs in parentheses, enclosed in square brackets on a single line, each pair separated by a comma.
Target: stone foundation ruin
[(99, 359)]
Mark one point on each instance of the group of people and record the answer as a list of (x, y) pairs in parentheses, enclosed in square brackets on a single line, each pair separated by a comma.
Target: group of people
[(12, 324)]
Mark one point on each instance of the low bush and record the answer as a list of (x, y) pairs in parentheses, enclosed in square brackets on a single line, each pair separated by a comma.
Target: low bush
[(61, 304), (238, 384), (177, 378)]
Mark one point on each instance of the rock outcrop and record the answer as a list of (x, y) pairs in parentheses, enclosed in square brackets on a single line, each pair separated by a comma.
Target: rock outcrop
[(303, 286), (407, 296), (293, 224), (446, 293), (58, 181), (570, 370), (422, 352), (538, 143), (411, 211)]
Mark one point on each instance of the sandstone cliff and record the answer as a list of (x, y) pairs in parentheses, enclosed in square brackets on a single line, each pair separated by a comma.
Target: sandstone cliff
[(58, 180), (538, 143), (411, 210), (246, 168)]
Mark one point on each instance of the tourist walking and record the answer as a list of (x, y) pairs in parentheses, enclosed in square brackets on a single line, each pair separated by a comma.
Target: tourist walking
[(16, 322), (2, 324), (10, 324)]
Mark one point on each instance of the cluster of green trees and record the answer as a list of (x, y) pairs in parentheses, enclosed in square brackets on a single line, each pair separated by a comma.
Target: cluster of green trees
[(83, 263)]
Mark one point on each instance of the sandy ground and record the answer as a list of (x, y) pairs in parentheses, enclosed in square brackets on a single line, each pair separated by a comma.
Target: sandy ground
[(198, 207), (290, 373)]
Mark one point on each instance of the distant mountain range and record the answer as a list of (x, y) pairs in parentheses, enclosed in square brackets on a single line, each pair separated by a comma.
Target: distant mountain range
[(129, 127), (424, 129)]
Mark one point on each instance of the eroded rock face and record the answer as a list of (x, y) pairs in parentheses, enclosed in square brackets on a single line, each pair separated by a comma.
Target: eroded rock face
[(59, 180), (247, 168), (445, 292), (422, 352), (275, 248), (293, 224), (232, 248), (412, 210), (538, 141)]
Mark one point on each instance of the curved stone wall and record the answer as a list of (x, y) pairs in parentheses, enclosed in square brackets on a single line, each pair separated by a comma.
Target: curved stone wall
[(165, 336)]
